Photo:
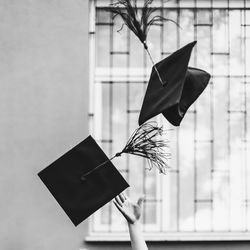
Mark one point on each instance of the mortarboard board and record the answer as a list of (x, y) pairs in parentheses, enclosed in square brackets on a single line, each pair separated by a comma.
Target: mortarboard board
[(182, 86), (81, 198)]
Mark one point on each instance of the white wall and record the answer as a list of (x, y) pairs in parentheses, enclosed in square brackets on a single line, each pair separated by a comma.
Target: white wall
[(43, 113)]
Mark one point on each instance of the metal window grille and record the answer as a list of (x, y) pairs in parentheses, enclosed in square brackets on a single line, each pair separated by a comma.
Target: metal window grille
[(206, 192)]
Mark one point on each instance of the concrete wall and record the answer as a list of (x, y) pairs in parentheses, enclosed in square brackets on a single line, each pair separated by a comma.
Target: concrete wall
[(43, 113)]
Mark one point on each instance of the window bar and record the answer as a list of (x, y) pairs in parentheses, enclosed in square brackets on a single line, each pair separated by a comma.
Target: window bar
[(160, 179), (225, 171), (177, 139), (245, 120), (211, 141), (111, 47), (92, 24), (203, 200), (105, 24), (144, 160), (246, 125), (212, 119), (230, 76), (119, 52), (195, 124), (229, 116), (127, 104), (220, 53), (203, 24), (242, 33), (128, 94)]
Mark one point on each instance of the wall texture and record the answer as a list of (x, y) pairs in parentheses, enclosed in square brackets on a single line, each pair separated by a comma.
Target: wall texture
[(43, 113)]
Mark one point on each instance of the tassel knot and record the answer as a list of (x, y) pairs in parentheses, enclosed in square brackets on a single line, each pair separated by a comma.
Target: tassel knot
[(145, 45), (118, 154)]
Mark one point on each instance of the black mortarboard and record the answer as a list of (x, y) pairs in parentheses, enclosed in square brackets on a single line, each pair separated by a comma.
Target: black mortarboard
[(79, 197), (182, 86)]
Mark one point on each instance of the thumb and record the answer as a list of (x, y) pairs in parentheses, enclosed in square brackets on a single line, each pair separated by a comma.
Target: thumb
[(140, 201)]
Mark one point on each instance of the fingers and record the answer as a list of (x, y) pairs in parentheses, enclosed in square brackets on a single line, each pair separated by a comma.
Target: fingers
[(140, 201), (119, 200), (123, 197), (118, 206)]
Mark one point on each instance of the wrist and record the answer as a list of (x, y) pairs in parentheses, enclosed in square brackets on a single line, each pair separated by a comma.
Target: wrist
[(134, 224)]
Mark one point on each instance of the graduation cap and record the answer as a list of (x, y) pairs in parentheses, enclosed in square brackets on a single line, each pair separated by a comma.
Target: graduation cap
[(181, 86), (80, 197)]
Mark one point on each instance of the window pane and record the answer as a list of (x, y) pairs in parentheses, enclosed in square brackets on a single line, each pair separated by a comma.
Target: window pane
[(102, 48)]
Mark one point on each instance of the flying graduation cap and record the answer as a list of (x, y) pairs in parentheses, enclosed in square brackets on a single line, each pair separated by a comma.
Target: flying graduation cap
[(78, 197), (181, 86), (84, 179)]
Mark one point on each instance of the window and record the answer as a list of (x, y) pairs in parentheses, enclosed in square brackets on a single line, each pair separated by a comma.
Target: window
[(206, 193)]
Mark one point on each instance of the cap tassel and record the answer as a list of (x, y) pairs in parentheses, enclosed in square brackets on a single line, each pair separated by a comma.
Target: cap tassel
[(139, 25), (144, 142)]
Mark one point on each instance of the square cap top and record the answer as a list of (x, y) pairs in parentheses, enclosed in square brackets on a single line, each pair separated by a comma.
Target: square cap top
[(81, 198), (182, 86)]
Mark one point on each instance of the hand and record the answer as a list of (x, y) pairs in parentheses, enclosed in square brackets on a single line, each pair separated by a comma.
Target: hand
[(131, 211)]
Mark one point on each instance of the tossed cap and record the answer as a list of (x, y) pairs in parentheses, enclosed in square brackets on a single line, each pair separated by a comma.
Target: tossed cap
[(80, 197), (182, 86)]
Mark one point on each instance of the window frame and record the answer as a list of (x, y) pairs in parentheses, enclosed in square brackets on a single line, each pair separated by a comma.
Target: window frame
[(158, 236)]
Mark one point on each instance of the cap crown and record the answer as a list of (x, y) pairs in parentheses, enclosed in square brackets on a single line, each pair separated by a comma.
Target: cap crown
[(79, 199)]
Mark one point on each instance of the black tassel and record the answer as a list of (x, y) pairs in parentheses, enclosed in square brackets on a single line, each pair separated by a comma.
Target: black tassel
[(146, 142), (139, 24)]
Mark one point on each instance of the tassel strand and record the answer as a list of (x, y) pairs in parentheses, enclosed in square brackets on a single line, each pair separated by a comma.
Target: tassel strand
[(139, 25), (144, 142)]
